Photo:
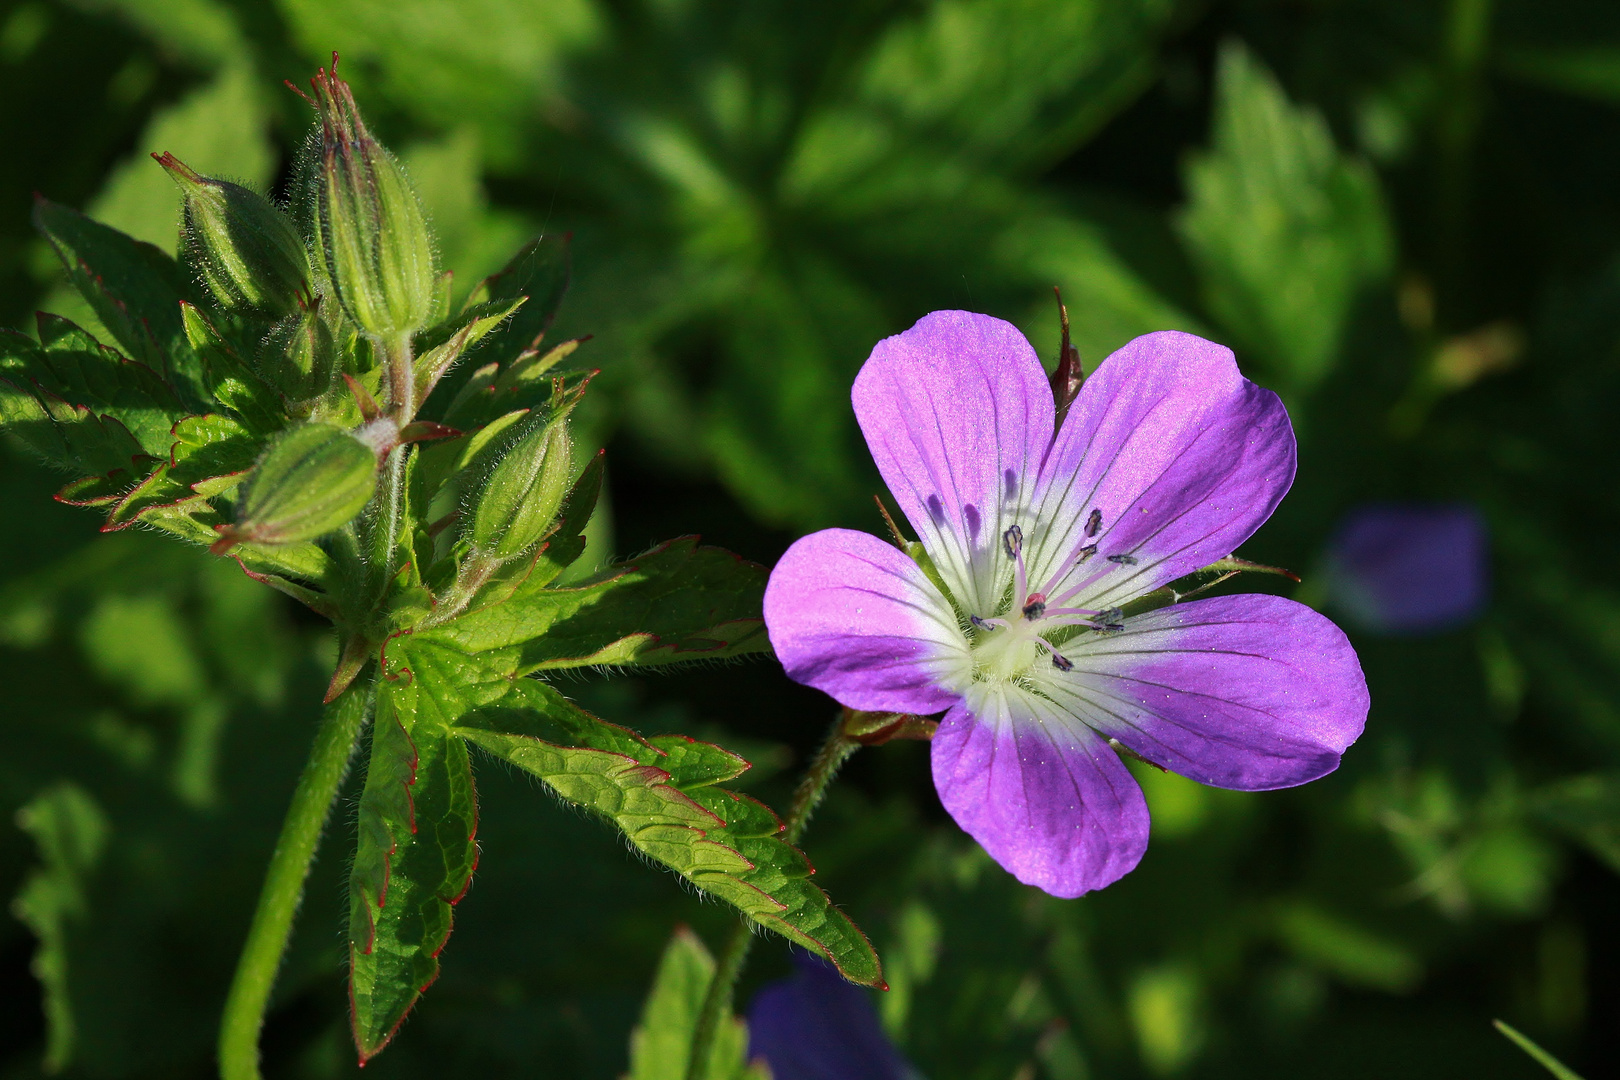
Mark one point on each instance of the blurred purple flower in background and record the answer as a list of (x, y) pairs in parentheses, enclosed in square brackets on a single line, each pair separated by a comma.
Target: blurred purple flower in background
[(1409, 568), (1015, 615), (813, 1025)]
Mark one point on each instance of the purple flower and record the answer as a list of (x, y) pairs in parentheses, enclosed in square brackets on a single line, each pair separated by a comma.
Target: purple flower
[(1409, 568), (1012, 621), (813, 1025)]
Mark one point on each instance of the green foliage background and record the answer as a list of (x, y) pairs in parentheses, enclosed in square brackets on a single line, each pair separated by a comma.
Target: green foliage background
[(1403, 216)]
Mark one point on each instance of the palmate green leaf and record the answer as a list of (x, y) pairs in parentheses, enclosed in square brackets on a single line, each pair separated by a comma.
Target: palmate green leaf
[(661, 1044), (83, 407), (1285, 230), (210, 455), (660, 792), (676, 603), (414, 859), (229, 379), (135, 290), (70, 831), (74, 365), (71, 437)]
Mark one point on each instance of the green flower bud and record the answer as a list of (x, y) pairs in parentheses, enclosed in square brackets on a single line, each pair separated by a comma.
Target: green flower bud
[(299, 356), (523, 493), (315, 478), (244, 247), (368, 225)]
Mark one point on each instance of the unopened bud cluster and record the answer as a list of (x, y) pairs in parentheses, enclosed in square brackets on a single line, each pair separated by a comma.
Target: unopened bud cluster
[(294, 305)]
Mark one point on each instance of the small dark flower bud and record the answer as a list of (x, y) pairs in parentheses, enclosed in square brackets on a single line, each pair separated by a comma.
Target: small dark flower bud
[(244, 247), (523, 493), (298, 356), (368, 226), (315, 478)]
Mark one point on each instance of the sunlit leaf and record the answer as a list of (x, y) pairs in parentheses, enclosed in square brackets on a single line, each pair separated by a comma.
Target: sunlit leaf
[(415, 856)]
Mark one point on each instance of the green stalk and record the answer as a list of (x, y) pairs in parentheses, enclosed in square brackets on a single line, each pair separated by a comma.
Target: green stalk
[(284, 883), (717, 1002)]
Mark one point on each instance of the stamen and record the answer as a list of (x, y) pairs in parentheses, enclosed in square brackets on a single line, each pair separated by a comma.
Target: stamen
[(1093, 523), (1035, 607), (1062, 663), (1110, 615), (1079, 558), (978, 622), (1123, 560), (1012, 541), (1065, 612), (1079, 587)]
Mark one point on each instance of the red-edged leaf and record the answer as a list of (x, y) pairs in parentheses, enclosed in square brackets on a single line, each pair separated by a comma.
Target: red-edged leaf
[(414, 859)]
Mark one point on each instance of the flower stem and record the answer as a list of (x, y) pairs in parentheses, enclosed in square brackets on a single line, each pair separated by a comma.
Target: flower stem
[(284, 884), (717, 1001), (399, 369)]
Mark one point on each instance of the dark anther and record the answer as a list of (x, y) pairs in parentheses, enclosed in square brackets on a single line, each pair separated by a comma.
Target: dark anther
[(1093, 523), (1123, 560), (1062, 663), (1111, 628), (1035, 607), (1087, 552), (978, 622), (1110, 615), (1013, 541)]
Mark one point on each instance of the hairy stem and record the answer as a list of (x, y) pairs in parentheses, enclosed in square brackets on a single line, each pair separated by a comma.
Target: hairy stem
[(399, 369), (284, 883), (717, 1001), (475, 574), (385, 544)]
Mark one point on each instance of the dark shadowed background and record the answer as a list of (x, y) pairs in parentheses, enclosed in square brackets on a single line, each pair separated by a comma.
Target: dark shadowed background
[(1403, 216)]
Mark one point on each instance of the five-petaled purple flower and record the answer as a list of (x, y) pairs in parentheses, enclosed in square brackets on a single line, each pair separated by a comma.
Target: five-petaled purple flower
[(1035, 541)]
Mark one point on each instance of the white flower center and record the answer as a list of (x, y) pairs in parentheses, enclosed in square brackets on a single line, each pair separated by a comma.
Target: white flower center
[(1006, 653), (1009, 648)]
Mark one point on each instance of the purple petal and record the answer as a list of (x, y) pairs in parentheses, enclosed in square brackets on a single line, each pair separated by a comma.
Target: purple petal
[(815, 1026), (1410, 569), (955, 411), (1044, 795), (852, 616), (1246, 692), (1180, 454)]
